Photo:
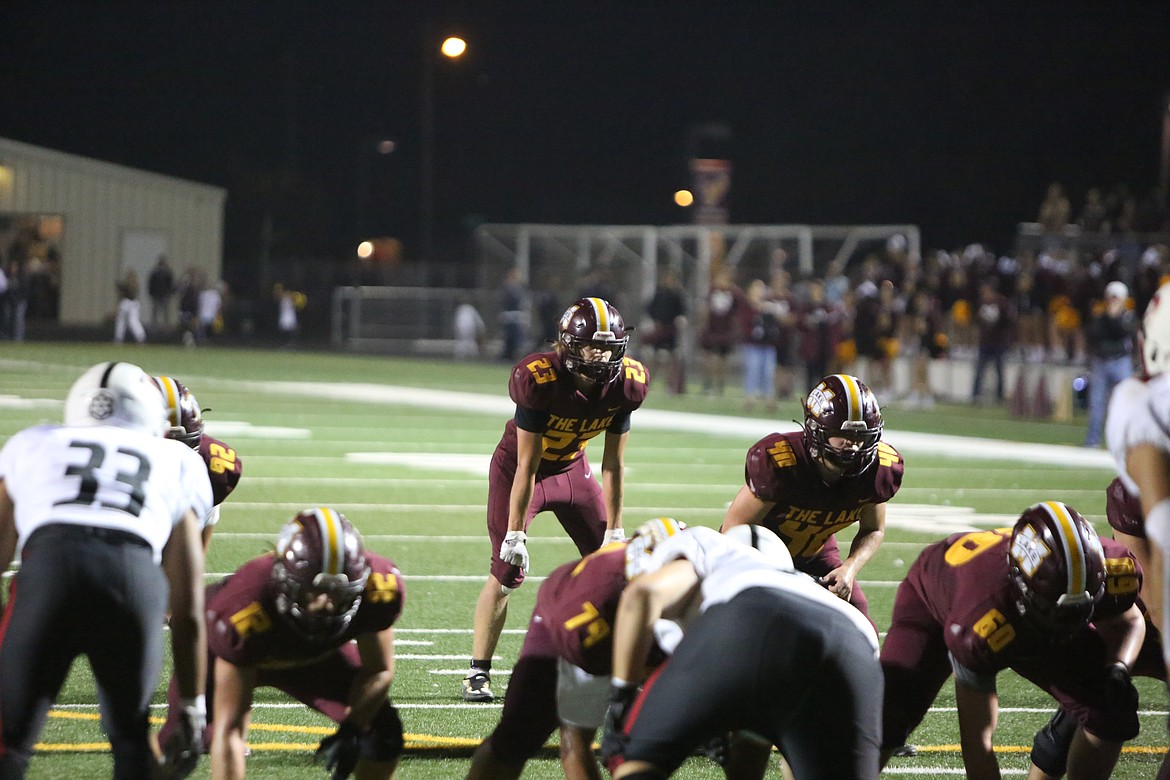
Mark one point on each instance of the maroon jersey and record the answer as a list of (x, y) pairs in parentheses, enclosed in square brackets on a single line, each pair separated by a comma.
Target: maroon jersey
[(575, 608), (1124, 510), (244, 628), (965, 583), (807, 511), (224, 467), (543, 390)]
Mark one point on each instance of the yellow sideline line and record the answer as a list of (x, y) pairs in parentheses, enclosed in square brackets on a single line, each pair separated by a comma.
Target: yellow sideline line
[(425, 741)]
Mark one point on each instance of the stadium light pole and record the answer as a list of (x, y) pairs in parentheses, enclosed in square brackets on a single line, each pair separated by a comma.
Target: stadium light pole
[(451, 48), (369, 146), (1164, 159)]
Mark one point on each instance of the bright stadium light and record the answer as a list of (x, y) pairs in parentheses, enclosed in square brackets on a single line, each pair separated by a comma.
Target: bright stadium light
[(453, 47)]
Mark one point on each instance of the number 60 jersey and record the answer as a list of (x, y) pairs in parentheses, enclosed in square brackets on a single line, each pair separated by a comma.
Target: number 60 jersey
[(103, 476)]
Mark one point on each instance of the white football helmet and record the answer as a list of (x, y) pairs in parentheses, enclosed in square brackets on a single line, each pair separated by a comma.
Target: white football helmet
[(766, 541), (1155, 334), (118, 394)]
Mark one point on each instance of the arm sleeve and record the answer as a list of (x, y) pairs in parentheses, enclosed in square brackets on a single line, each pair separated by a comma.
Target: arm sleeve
[(978, 681), (531, 420)]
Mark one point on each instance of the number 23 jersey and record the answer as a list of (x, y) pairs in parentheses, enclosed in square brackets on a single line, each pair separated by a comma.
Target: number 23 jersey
[(543, 390), (103, 476)]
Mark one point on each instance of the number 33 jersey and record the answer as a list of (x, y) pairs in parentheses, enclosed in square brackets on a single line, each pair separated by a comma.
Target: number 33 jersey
[(103, 476)]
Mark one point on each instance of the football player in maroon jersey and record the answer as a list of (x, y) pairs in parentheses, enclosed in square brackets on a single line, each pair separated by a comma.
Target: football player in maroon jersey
[(808, 485), (224, 465), (1047, 599), (561, 678), (585, 386), (315, 620), (1051, 746)]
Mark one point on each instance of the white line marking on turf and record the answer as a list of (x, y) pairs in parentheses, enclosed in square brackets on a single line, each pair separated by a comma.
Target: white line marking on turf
[(471, 464), (231, 429), (16, 402), (749, 429), (451, 630)]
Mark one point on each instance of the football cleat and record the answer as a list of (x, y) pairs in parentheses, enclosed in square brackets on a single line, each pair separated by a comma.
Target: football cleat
[(905, 751), (477, 686)]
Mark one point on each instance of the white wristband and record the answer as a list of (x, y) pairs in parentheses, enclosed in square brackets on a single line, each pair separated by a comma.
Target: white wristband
[(199, 703)]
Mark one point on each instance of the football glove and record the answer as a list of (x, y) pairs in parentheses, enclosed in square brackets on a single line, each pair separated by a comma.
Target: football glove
[(614, 738), (513, 551), (339, 751), (1119, 691), (183, 748), (614, 535)]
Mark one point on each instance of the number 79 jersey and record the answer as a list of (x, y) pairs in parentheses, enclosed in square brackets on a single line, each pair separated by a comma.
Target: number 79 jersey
[(103, 476)]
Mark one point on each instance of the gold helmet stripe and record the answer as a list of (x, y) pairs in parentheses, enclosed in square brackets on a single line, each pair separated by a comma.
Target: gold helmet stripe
[(1070, 541), (171, 392), (853, 396), (601, 313), (331, 539)]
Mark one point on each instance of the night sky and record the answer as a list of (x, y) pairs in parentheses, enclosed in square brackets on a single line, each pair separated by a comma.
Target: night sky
[(951, 115)]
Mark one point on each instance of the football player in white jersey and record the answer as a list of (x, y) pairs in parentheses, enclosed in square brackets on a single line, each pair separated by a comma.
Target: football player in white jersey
[(1137, 430), (104, 512), (765, 649)]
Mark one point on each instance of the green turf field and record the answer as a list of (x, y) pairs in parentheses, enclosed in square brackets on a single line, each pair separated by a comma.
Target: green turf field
[(401, 447)]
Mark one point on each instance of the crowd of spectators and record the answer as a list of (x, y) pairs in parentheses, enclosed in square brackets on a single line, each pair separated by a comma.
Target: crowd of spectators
[(971, 302)]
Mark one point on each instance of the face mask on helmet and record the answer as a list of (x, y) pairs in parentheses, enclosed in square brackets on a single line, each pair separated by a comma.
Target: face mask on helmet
[(593, 339), (642, 544), (184, 417), (321, 573), (842, 424), (1155, 333), (117, 394), (1057, 568)]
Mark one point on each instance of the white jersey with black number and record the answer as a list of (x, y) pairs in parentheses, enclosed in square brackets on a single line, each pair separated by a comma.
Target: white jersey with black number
[(727, 567), (103, 476), (1139, 413)]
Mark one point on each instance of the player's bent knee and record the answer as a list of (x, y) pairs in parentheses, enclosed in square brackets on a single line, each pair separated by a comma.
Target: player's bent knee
[(1051, 745), (384, 741)]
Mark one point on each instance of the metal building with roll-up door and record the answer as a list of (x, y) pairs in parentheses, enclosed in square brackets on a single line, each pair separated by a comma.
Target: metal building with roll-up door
[(76, 224)]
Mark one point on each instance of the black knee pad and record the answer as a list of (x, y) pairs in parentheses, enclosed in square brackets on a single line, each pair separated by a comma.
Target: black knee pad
[(1051, 745), (384, 740)]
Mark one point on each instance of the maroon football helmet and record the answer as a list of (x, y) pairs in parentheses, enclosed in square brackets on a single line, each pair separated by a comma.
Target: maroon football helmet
[(184, 417), (320, 553), (593, 322), (1057, 567), (841, 406)]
